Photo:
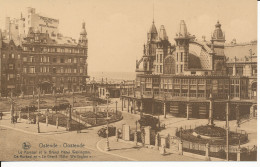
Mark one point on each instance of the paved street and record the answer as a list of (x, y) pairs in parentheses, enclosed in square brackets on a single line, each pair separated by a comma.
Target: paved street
[(15, 135)]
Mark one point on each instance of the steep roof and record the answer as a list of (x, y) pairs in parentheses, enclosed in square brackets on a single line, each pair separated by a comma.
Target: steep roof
[(162, 34), (153, 29)]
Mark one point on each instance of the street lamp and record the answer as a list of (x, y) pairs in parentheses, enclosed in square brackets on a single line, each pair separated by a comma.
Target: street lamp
[(107, 97), (227, 129), (38, 114), (116, 107), (107, 119), (12, 107)]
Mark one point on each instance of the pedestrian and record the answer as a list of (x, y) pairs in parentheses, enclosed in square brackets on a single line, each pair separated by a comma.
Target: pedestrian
[(1, 115)]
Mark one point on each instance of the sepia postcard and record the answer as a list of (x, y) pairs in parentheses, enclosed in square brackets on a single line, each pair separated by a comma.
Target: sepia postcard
[(119, 80)]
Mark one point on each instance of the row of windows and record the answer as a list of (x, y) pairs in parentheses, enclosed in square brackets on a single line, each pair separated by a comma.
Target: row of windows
[(11, 56), (31, 69), (196, 81), (61, 79), (55, 50), (46, 59)]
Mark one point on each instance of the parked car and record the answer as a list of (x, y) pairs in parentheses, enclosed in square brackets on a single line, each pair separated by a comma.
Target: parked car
[(103, 131)]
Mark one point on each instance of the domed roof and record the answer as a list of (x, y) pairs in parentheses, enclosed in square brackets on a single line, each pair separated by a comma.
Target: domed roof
[(153, 29), (218, 34), (162, 34), (83, 30)]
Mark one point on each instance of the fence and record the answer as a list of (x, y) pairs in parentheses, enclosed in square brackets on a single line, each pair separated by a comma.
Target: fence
[(174, 143)]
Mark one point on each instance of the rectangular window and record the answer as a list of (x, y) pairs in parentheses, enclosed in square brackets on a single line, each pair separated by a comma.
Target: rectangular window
[(181, 57), (181, 68), (160, 68), (177, 68), (75, 60), (54, 60), (61, 60), (160, 58), (11, 66), (24, 59), (25, 70), (69, 60), (32, 69), (31, 59), (81, 70)]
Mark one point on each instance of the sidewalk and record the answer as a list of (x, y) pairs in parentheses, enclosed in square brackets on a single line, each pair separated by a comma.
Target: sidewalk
[(137, 153), (172, 123), (23, 126)]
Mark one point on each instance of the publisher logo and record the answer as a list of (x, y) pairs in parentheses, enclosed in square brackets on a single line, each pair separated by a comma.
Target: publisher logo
[(26, 145)]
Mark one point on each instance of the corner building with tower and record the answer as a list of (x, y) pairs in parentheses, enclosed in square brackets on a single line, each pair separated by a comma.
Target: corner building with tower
[(193, 78), (33, 54)]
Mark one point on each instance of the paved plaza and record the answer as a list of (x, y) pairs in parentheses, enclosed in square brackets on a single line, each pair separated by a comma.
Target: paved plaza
[(15, 134)]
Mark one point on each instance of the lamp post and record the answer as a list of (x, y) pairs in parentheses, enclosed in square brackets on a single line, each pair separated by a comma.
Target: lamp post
[(38, 114), (107, 97), (12, 107), (107, 119), (116, 107), (227, 129)]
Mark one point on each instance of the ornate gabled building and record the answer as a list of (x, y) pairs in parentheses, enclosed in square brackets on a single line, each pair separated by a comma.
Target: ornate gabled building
[(42, 59), (189, 79)]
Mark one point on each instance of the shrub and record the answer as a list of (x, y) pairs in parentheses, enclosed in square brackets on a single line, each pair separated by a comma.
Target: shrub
[(148, 120), (221, 154)]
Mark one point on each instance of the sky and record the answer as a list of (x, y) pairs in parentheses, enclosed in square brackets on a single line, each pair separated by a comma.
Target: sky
[(117, 29)]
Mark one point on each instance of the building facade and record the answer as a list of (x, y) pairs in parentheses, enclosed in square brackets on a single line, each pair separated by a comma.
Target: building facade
[(39, 59), (191, 78)]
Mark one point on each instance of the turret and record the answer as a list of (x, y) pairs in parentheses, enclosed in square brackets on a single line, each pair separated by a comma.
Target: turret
[(182, 48), (162, 35), (152, 34), (161, 50), (83, 35), (218, 35)]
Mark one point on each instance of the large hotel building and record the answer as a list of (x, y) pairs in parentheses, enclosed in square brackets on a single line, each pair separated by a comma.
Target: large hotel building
[(33, 54), (191, 78)]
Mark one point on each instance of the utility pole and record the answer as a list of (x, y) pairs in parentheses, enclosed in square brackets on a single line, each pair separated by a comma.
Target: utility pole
[(116, 107), (227, 130), (107, 142), (12, 107), (38, 114)]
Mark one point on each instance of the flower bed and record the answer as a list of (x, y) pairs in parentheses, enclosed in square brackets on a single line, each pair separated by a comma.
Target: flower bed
[(187, 135), (211, 131)]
